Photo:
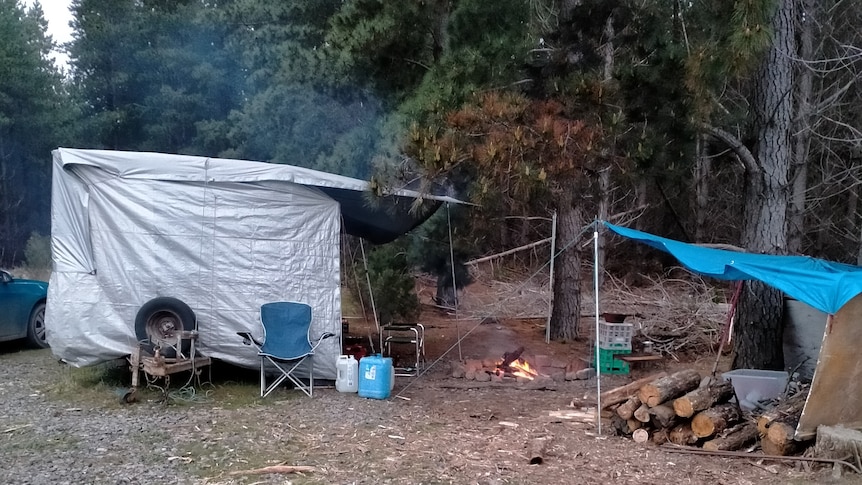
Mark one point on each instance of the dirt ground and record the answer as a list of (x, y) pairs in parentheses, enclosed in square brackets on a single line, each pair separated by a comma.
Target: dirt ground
[(57, 427), (489, 429)]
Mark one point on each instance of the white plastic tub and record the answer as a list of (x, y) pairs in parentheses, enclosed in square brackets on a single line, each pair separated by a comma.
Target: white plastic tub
[(754, 385)]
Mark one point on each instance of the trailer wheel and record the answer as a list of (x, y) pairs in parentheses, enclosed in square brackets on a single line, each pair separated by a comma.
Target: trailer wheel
[(157, 322)]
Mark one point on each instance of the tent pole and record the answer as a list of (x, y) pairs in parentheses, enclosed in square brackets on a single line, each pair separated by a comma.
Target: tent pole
[(346, 247), (371, 296), (596, 291), (454, 283), (551, 276)]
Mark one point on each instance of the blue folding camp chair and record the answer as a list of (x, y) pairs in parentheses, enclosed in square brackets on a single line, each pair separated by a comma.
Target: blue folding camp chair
[(286, 344)]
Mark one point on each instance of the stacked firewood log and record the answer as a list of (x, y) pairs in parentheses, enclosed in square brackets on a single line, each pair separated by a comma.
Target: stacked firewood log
[(685, 409)]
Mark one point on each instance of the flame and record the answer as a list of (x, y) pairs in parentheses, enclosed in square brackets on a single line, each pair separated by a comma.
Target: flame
[(519, 368)]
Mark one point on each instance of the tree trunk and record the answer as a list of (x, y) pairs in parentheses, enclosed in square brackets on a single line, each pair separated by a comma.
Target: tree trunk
[(702, 170), (758, 330), (604, 203), (796, 216), (566, 313), (758, 342)]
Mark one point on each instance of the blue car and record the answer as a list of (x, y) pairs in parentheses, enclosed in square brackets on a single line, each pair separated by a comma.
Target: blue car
[(22, 309)]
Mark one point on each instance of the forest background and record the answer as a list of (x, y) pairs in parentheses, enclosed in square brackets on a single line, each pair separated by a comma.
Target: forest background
[(735, 123)]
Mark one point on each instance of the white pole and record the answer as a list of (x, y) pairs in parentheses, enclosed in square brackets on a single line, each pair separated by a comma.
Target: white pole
[(598, 359), (551, 276), (454, 284)]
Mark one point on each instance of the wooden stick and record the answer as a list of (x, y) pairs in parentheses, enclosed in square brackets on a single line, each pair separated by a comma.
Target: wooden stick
[(537, 450), (755, 456), (274, 469), (507, 252)]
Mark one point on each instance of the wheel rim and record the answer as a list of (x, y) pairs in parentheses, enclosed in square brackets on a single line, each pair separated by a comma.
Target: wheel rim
[(39, 325), (162, 327)]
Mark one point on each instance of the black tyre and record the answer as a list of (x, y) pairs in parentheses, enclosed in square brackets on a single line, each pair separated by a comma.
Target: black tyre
[(158, 322), (36, 327)]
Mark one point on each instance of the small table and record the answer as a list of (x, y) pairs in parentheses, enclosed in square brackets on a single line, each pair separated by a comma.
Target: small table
[(639, 358)]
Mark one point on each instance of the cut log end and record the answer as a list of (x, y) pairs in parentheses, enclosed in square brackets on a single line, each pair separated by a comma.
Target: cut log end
[(640, 436), (703, 398), (710, 421)]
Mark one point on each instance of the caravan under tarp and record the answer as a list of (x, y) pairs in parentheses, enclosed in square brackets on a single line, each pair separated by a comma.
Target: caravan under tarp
[(224, 236)]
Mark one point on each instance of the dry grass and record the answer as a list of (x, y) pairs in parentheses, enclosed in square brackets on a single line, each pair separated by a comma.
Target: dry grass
[(680, 313)]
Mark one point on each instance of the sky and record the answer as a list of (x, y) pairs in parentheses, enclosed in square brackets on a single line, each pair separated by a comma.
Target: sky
[(58, 15)]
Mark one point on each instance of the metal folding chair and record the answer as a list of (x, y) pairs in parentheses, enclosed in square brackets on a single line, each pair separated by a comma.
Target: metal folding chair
[(286, 344), (412, 334)]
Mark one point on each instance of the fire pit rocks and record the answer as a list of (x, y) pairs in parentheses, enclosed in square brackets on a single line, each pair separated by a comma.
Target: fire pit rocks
[(517, 367)]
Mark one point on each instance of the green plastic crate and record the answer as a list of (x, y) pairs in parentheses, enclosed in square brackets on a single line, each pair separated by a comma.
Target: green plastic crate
[(611, 365)]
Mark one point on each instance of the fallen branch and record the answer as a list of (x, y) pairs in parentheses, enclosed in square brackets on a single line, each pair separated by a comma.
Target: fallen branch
[(510, 251), (538, 448), (274, 469), (16, 428)]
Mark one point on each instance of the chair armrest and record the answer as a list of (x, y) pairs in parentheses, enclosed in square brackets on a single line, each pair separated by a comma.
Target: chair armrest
[(401, 326), (248, 339), (416, 328), (320, 340), (325, 336)]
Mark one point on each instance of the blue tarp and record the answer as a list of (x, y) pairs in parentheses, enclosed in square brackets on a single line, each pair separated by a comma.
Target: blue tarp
[(822, 284)]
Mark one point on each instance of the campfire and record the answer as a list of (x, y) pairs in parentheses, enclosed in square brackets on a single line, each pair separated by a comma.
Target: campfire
[(512, 365)]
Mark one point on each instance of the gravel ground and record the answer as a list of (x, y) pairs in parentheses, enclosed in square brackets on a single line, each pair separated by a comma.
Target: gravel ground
[(61, 426)]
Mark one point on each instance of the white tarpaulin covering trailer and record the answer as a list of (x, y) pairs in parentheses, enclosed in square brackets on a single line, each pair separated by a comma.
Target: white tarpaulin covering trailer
[(223, 236)]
